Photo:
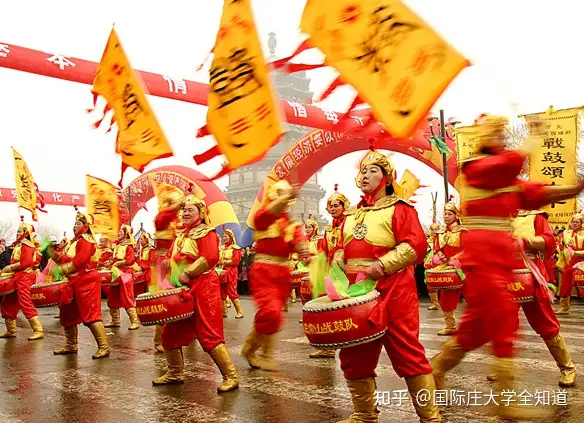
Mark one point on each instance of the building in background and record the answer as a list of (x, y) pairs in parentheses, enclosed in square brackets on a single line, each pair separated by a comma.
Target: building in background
[(244, 183)]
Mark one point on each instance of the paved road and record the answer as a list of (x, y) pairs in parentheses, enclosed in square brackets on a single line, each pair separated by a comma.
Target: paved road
[(38, 387)]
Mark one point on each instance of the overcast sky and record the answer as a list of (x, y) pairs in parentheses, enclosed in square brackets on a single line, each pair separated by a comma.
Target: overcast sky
[(525, 55)]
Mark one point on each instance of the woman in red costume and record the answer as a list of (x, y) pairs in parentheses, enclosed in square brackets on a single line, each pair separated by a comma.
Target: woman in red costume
[(447, 249), (122, 295), (230, 257), (491, 197), (196, 251), (276, 238), (336, 205), (81, 302), (105, 254), (572, 248), (535, 234), (383, 238), (22, 264)]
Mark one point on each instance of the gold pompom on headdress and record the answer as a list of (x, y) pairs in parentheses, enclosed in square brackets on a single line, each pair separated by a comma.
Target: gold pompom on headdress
[(380, 160), (488, 130), (450, 206), (313, 223), (193, 200), (337, 196), (145, 235)]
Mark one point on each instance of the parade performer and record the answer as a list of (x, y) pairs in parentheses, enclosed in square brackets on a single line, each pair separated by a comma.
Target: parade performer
[(336, 205), (492, 195), (196, 251), (433, 241), (80, 302), (276, 237), (532, 228), (572, 251), (105, 253), (122, 295), (447, 250), (146, 256), (22, 263), (229, 259), (382, 237)]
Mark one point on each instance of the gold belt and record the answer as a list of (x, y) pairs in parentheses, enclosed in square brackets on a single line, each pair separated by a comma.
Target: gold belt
[(355, 265), (488, 223), (268, 259)]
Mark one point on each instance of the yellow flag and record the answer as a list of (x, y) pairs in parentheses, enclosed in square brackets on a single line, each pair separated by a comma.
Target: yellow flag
[(554, 161), (409, 184), (166, 194), (26, 190), (140, 138), (397, 63), (243, 114), (103, 205)]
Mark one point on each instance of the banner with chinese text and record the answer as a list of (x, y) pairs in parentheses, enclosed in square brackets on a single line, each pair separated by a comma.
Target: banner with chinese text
[(395, 60), (27, 195), (140, 139), (102, 204), (554, 161), (243, 111)]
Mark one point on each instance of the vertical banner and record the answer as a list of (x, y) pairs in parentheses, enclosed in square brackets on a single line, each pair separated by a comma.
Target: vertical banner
[(27, 195), (466, 148), (102, 204), (554, 160)]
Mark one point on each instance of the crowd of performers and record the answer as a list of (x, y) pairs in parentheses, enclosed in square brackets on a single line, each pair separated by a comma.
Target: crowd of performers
[(498, 232)]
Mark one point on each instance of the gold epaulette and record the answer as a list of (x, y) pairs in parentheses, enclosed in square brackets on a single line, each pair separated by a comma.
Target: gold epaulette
[(200, 231), (382, 203), (328, 228), (89, 238), (28, 243)]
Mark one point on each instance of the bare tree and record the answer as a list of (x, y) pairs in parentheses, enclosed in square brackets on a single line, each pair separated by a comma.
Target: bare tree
[(8, 230), (45, 231)]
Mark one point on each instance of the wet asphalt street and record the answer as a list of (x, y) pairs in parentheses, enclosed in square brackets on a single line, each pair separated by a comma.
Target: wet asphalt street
[(37, 387)]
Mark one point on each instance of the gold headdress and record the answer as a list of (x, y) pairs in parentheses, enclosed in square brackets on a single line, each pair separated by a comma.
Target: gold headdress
[(127, 229), (281, 185), (378, 159), (146, 236), (578, 216), (86, 219), (488, 130), (313, 223), (27, 229), (193, 200), (337, 196), (450, 206)]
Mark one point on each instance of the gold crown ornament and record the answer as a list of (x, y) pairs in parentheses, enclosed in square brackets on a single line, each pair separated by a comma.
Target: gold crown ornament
[(145, 235), (313, 223), (86, 219), (380, 160), (127, 229), (578, 216), (337, 196), (193, 200), (489, 130), (26, 228), (450, 206)]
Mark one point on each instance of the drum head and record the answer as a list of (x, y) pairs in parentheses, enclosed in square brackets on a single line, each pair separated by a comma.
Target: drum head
[(163, 293), (325, 303)]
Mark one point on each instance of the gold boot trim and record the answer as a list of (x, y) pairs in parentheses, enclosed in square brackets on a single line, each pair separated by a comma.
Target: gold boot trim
[(238, 308), (564, 307), (451, 354), (10, 328), (267, 362), (100, 335), (227, 302), (323, 354), (252, 344), (70, 342), (158, 339), (293, 296), (37, 329), (176, 366), (450, 320), (559, 351), (506, 375), (222, 359), (363, 397), (224, 308), (434, 305), (427, 411), (115, 315), (492, 377), (134, 321)]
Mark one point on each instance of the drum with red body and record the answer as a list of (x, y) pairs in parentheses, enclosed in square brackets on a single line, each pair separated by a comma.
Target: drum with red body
[(139, 276), (306, 290), (523, 286), (442, 279), (298, 276), (7, 284), (156, 308), (46, 294), (341, 324), (139, 284), (579, 281)]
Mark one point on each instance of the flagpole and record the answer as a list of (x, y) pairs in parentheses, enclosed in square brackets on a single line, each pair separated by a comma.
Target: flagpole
[(444, 157)]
